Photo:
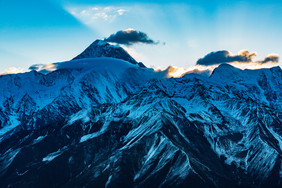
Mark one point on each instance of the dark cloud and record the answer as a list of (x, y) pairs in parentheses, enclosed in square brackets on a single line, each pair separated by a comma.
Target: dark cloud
[(224, 56), (129, 37), (273, 58), (36, 67)]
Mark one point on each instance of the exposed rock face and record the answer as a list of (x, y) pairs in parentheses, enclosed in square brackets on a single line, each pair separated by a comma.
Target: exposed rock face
[(115, 124)]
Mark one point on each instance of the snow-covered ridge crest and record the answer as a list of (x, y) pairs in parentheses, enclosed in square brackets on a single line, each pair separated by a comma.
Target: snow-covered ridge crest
[(99, 64), (105, 121)]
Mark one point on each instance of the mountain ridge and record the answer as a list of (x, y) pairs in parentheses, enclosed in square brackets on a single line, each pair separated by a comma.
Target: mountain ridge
[(107, 122)]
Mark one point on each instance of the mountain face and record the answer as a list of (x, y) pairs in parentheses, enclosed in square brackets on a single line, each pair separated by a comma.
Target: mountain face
[(100, 48), (103, 121)]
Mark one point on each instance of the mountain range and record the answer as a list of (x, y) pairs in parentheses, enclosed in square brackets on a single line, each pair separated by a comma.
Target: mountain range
[(103, 119)]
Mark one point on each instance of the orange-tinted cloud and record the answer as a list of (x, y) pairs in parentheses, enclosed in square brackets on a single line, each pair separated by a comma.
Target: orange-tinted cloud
[(272, 58), (224, 56)]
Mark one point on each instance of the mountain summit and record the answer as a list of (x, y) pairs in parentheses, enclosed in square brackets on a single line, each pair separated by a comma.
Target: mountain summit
[(102, 121), (100, 48)]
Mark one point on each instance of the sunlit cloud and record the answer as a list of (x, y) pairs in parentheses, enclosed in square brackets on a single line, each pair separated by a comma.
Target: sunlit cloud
[(253, 65), (243, 60), (43, 67), (268, 62), (224, 56), (121, 11), (271, 58), (13, 70), (177, 72), (89, 15)]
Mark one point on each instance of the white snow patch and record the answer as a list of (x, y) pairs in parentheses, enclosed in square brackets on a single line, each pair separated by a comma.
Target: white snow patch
[(14, 123), (38, 139), (164, 151), (8, 157), (21, 174), (277, 137), (96, 134), (152, 125), (53, 155), (81, 115), (109, 180), (89, 136), (107, 167)]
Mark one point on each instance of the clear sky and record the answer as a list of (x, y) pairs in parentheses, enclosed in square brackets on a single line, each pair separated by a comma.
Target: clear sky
[(47, 31)]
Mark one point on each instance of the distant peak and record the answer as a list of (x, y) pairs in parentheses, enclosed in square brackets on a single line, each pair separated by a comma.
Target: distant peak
[(225, 70), (101, 48), (277, 68), (225, 65)]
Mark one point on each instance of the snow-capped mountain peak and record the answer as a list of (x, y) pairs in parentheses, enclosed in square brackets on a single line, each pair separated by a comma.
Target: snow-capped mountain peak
[(100, 48), (101, 120)]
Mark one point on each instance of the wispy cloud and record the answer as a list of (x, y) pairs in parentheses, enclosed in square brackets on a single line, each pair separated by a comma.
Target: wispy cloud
[(92, 14), (13, 70), (177, 72), (44, 68), (271, 58)]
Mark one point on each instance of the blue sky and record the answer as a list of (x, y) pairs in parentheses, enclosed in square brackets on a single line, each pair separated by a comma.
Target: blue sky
[(47, 31)]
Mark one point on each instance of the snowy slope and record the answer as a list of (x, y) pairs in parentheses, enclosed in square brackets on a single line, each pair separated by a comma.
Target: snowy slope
[(107, 122), (75, 84), (100, 48)]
